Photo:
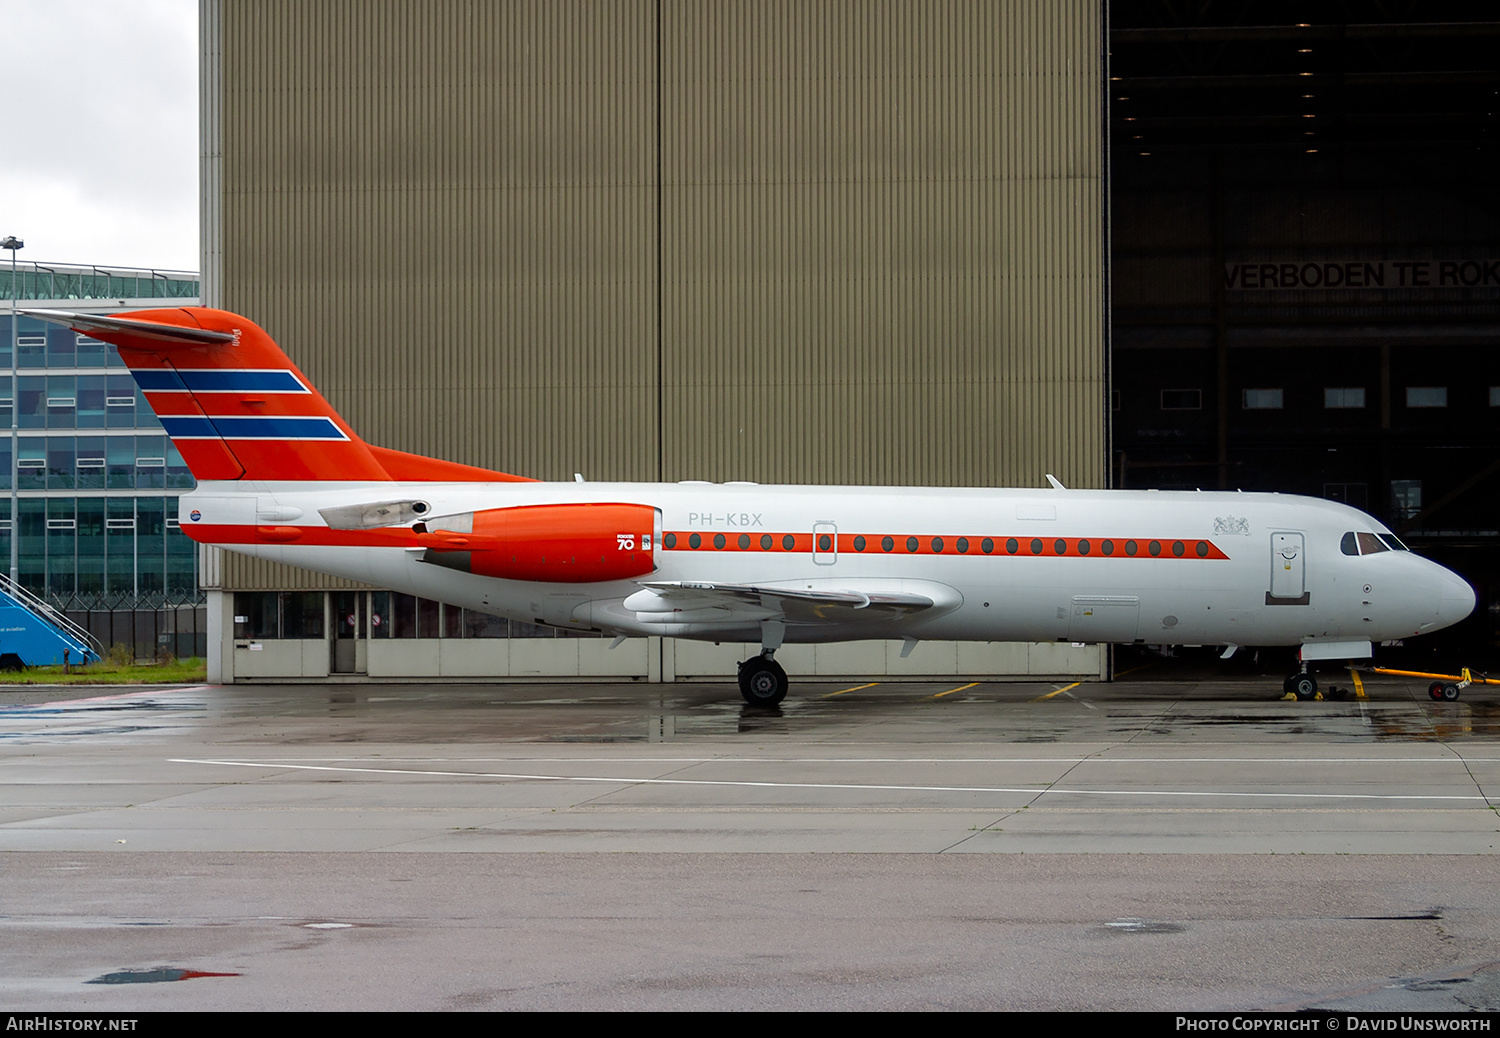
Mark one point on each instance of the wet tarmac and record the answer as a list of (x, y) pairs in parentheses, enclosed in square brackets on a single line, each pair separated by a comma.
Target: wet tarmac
[(1172, 845)]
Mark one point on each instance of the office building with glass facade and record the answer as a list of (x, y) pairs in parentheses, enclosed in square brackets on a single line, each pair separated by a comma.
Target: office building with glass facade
[(95, 477)]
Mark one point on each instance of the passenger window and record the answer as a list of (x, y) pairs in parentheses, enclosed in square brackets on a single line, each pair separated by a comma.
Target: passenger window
[(1349, 546), (1369, 544)]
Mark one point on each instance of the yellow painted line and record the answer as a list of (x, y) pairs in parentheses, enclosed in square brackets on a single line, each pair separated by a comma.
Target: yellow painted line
[(1132, 670), (856, 688), (960, 688), (1359, 686), (1059, 692)]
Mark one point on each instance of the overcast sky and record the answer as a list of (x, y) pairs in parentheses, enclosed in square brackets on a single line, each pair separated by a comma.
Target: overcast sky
[(101, 131)]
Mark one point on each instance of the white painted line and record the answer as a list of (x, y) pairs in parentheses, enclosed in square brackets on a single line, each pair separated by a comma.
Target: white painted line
[(1445, 758), (853, 786)]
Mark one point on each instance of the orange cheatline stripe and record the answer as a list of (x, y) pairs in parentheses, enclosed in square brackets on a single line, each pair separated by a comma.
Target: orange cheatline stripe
[(1185, 548)]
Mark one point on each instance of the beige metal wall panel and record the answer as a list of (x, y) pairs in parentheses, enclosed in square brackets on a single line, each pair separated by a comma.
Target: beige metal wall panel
[(445, 212), (883, 242)]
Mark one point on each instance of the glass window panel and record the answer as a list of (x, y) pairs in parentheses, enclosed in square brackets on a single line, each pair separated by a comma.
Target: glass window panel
[(90, 462), (259, 612), (62, 347), (150, 573), (179, 476), (120, 462), (33, 410), (119, 401), (5, 465), (145, 418), (90, 411), (1345, 397), (483, 625), (403, 616), (91, 352), (33, 353), (1406, 497), (182, 573), (33, 463), (150, 462), (34, 531), (62, 578), (62, 459), (427, 618), (91, 528), (150, 521), (90, 573), (453, 626), (302, 614), (1426, 396), (1262, 399), (179, 543), (380, 614)]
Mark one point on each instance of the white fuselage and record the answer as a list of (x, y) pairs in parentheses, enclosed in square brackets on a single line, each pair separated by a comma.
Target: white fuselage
[(1231, 568)]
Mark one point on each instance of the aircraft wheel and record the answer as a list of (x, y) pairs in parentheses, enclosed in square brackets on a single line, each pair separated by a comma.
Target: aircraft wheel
[(1450, 692), (762, 681), (1286, 685), (1305, 686), (1435, 690)]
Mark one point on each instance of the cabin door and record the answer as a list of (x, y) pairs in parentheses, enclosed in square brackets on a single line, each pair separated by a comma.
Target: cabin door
[(1288, 570)]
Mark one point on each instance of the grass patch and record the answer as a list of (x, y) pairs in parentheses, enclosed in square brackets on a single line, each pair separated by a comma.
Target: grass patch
[(113, 672)]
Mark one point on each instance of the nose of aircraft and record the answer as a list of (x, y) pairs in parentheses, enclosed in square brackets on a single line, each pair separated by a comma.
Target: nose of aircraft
[(1457, 601)]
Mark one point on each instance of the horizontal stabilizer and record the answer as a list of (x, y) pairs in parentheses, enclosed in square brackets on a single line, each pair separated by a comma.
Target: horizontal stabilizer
[(158, 334)]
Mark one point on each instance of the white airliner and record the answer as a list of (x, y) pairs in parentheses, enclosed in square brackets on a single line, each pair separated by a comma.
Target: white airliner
[(282, 477)]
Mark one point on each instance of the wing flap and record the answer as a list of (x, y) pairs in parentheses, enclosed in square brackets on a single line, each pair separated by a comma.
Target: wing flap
[(693, 601)]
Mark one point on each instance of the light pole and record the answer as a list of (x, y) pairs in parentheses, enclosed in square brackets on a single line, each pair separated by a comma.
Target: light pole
[(15, 245)]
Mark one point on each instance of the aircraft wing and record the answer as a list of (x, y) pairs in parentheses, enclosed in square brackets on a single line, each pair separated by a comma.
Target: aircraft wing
[(858, 602)]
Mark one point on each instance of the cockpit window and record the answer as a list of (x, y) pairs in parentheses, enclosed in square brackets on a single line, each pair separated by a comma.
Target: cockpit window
[(1369, 544), (1349, 546), (1393, 542)]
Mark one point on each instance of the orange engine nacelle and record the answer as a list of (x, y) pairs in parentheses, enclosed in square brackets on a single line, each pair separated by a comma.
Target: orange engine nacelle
[(573, 544)]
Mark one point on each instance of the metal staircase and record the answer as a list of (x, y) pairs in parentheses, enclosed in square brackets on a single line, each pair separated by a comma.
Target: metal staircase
[(38, 633)]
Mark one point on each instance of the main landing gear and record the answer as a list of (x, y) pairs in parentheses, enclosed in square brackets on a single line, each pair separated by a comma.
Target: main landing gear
[(762, 681)]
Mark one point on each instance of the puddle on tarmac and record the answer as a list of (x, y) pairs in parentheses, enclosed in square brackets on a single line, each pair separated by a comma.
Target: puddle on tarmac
[(158, 975)]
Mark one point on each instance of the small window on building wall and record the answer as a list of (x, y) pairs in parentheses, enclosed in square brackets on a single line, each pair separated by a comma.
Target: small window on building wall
[(1348, 397), (1263, 400), (1426, 396), (1406, 497), (1494, 396), (1182, 399)]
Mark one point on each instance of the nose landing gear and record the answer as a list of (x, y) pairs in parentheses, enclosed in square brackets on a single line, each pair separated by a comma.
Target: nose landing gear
[(1302, 685)]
